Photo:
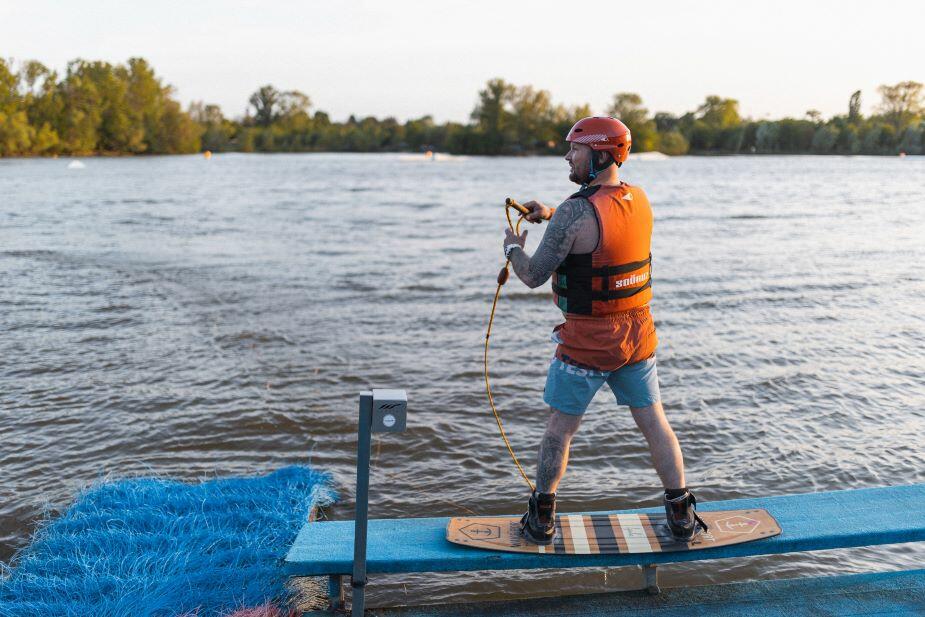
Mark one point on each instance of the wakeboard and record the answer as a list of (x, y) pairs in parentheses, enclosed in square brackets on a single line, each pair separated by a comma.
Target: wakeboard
[(593, 534)]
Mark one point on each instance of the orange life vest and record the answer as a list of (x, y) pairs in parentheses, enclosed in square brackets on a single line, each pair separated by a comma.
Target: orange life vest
[(617, 275)]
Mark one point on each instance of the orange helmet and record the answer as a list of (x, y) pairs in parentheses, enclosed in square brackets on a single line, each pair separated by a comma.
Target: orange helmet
[(603, 133)]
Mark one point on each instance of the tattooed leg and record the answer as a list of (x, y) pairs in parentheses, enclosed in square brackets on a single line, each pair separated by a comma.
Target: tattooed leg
[(554, 448)]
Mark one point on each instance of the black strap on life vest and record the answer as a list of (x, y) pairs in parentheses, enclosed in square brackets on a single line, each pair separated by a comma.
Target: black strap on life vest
[(586, 191), (578, 275)]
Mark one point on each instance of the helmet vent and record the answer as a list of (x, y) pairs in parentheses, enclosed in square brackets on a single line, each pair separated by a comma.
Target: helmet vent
[(578, 130)]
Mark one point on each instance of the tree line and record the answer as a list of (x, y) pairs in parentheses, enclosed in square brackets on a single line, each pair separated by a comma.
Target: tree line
[(102, 108), (95, 107)]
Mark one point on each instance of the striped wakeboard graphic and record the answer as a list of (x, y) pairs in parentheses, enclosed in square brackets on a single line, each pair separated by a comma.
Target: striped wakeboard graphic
[(592, 534)]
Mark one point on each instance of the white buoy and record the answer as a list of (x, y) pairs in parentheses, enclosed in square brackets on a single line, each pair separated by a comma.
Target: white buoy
[(75, 165)]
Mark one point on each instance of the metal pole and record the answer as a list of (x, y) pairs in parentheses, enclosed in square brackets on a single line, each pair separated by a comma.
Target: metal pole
[(650, 575), (358, 582), (335, 592)]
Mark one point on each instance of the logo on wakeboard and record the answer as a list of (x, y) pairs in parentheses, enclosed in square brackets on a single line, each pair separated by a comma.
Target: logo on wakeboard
[(737, 524), (481, 531)]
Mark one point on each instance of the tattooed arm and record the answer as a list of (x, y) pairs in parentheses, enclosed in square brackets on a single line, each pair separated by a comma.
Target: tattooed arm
[(570, 218)]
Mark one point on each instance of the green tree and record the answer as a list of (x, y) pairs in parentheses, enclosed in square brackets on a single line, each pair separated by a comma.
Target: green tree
[(532, 118), (854, 107), (673, 143), (767, 137), (145, 97), (719, 113), (15, 133), (10, 99), (176, 132), (824, 139), (913, 139), (118, 129), (421, 133), (80, 121), (665, 122), (265, 102), (871, 139), (849, 141), (715, 126), (217, 131), (795, 136), (44, 106), (493, 115), (901, 104), (628, 108)]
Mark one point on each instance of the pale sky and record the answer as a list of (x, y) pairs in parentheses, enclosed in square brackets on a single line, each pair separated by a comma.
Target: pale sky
[(407, 59)]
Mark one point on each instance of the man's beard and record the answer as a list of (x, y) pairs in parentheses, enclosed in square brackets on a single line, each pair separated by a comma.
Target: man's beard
[(574, 177)]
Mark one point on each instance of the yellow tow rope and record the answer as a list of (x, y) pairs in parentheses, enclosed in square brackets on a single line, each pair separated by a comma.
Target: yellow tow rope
[(502, 279)]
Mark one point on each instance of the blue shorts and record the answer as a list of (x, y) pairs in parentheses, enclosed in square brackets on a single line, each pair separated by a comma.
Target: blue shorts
[(570, 389)]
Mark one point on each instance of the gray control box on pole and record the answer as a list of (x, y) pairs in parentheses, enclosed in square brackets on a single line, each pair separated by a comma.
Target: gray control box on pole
[(390, 409), (381, 411)]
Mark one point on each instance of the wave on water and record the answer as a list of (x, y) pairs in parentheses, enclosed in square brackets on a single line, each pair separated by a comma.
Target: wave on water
[(38, 253), (250, 338)]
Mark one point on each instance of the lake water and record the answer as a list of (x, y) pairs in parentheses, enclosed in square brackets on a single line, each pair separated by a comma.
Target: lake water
[(189, 317)]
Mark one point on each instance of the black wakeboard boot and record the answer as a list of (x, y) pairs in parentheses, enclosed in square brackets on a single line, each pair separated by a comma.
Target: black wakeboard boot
[(682, 517), (538, 525)]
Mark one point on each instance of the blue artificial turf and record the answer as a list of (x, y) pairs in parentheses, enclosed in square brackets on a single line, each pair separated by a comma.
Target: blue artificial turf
[(156, 547)]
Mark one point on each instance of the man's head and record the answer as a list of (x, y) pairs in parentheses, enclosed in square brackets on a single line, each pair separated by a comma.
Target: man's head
[(585, 163), (595, 144)]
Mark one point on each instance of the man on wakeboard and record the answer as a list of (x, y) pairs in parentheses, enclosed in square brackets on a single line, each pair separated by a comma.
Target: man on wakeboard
[(597, 251)]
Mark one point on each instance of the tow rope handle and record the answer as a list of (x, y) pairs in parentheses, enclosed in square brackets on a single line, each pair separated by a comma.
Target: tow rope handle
[(510, 203)]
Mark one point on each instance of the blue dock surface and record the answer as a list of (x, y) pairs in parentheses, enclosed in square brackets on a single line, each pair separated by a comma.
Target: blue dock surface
[(810, 522), (882, 594)]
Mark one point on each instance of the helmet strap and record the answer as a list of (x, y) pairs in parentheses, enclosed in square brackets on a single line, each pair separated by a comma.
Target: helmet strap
[(592, 172)]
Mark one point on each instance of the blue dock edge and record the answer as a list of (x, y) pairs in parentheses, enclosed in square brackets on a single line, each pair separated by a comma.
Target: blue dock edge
[(810, 522)]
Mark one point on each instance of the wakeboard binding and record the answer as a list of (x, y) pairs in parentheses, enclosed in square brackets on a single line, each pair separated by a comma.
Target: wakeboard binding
[(683, 521), (538, 525)]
